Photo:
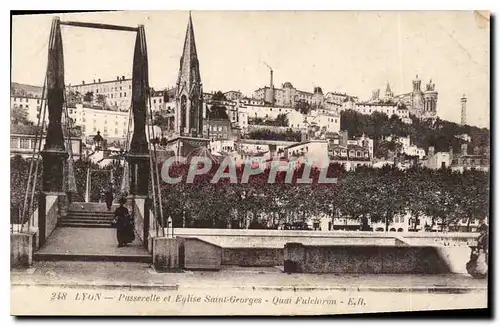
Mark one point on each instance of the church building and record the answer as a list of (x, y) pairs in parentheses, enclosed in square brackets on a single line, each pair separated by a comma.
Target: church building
[(189, 112)]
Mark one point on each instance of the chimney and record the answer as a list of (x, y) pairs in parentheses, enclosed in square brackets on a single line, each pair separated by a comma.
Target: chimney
[(345, 137), (117, 77), (123, 77), (430, 152), (83, 82), (94, 81), (272, 88), (304, 135), (464, 149), (99, 80)]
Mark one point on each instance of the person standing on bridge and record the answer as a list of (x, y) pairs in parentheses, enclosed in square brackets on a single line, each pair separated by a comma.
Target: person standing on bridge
[(109, 196), (124, 225)]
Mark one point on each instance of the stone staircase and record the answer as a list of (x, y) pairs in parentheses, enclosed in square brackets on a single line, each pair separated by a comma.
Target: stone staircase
[(86, 234), (88, 215)]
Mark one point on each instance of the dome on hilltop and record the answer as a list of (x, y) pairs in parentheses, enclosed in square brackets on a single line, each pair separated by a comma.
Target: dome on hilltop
[(287, 85)]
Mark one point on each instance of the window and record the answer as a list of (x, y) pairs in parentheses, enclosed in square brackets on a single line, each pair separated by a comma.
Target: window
[(25, 143), (124, 94), (120, 94), (13, 142), (154, 101)]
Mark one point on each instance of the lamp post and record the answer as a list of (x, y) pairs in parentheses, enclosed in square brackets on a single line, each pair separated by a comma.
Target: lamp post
[(170, 228)]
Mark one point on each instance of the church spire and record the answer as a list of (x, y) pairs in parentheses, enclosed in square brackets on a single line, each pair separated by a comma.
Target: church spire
[(388, 88), (189, 88), (189, 60)]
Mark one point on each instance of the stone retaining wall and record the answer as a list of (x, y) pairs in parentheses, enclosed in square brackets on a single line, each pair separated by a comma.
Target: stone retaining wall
[(373, 259)]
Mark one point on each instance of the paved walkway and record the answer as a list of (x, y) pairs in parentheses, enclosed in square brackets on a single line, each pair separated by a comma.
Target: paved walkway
[(92, 242), (119, 274)]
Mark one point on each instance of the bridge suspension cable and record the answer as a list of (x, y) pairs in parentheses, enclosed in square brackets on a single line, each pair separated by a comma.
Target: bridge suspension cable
[(33, 175)]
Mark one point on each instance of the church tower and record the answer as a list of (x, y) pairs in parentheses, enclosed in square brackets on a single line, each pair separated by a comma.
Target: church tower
[(189, 92), (389, 94)]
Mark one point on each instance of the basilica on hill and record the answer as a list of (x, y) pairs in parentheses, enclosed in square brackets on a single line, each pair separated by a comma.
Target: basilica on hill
[(420, 103)]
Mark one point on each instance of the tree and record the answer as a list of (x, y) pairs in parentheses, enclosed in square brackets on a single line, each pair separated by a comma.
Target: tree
[(160, 121), (88, 97), (303, 107), (73, 98), (19, 115), (219, 96), (218, 112), (282, 120), (101, 100)]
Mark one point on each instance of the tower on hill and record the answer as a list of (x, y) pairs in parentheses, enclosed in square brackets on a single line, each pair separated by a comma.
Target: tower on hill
[(463, 102)]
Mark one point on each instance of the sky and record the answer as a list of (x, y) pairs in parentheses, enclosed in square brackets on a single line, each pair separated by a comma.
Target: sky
[(350, 51)]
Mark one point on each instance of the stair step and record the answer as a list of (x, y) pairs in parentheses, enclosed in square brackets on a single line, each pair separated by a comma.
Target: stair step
[(90, 218), (84, 225), (137, 258), (92, 213), (65, 220)]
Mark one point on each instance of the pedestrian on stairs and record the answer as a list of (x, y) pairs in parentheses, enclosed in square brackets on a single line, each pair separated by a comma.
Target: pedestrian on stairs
[(123, 223), (109, 196)]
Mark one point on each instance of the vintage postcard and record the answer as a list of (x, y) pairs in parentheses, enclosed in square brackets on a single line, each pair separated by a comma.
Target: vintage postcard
[(249, 162)]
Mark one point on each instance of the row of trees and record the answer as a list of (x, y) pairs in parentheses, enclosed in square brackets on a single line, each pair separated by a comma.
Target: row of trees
[(100, 178), (73, 98), (367, 194), (265, 134), (280, 121)]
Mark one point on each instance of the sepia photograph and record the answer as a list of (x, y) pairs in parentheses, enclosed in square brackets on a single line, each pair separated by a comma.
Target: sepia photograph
[(249, 163)]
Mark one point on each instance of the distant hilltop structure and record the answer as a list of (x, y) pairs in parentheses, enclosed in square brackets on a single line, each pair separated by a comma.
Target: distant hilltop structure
[(463, 107), (420, 103)]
